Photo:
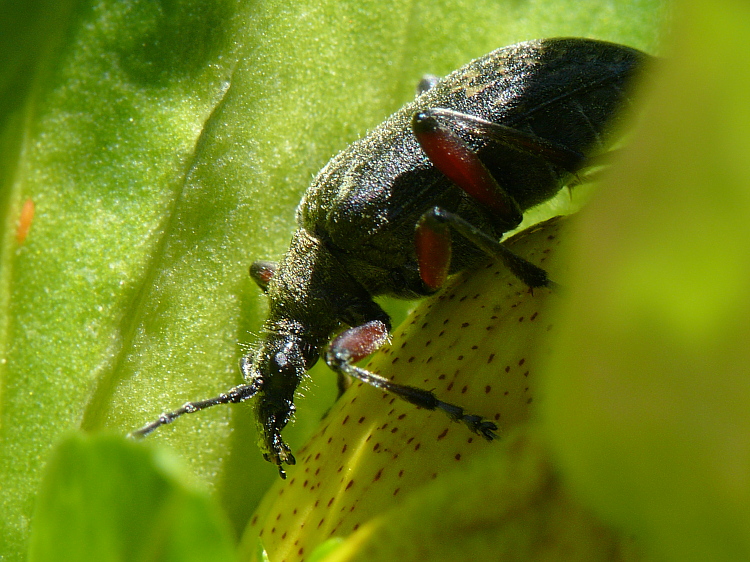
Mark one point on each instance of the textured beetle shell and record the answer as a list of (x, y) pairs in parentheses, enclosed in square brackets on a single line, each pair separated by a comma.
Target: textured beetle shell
[(564, 90)]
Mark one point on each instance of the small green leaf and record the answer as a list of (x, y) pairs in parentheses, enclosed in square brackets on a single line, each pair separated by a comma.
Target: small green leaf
[(103, 498)]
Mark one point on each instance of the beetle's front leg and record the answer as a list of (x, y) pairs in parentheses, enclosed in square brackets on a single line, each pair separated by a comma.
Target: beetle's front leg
[(356, 343)]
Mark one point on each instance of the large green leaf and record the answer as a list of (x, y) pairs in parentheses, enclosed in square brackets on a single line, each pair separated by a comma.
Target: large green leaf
[(165, 145), (649, 395)]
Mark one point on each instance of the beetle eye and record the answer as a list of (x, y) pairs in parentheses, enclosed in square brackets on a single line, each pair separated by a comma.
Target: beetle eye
[(281, 360)]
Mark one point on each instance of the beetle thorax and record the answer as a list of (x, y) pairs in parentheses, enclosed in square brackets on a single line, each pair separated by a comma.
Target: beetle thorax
[(313, 291)]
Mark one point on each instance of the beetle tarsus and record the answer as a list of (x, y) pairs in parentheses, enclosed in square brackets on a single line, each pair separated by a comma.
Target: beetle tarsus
[(475, 423)]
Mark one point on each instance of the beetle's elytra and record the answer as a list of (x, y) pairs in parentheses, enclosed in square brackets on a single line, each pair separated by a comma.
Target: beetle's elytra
[(471, 154)]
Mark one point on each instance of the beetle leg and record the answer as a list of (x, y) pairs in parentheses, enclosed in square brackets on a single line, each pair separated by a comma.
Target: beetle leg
[(356, 343), (438, 219), (433, 244), (262, 271), (456, 160), (556, 154)]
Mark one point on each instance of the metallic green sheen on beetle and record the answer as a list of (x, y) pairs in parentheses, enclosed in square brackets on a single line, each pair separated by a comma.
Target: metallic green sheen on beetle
[(428, 193)]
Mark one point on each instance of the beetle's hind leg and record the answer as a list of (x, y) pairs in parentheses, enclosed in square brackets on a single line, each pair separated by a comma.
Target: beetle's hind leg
[(356, 343)]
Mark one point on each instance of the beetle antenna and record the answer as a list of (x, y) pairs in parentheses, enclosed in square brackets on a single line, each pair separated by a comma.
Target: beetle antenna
[(233, 396)]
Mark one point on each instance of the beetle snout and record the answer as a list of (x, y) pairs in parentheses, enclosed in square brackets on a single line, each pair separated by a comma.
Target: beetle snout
[(279, 364)]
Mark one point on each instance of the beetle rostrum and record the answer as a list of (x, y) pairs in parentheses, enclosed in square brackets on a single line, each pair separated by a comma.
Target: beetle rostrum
[(428, 193)]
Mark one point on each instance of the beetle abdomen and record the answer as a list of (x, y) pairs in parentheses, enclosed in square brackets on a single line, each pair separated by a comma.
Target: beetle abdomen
[(566, 91)]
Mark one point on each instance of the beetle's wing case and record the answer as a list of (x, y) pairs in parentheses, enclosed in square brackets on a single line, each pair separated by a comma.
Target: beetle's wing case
[(563, 90)]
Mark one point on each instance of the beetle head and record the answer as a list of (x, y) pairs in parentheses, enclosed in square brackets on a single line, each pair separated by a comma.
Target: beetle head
[(279, 363)]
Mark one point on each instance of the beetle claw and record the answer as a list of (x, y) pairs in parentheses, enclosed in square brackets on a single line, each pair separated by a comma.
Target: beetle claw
[(480, 426)]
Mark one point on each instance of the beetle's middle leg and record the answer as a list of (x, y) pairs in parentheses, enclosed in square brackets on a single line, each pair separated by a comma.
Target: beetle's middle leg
[(356, 343), (433, 244)]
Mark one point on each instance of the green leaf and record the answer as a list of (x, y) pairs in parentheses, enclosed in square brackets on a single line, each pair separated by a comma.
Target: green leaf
[(103, 498), (165, 146), (649, 393), (325, 549)]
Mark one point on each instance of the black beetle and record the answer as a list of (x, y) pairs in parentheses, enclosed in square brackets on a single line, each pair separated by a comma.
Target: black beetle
[(472, 153)]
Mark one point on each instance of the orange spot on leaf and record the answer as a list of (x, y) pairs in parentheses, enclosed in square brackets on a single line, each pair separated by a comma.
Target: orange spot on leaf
[(24, 220)]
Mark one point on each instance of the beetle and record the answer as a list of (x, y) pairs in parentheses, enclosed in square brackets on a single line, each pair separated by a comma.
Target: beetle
[(469, 155)]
